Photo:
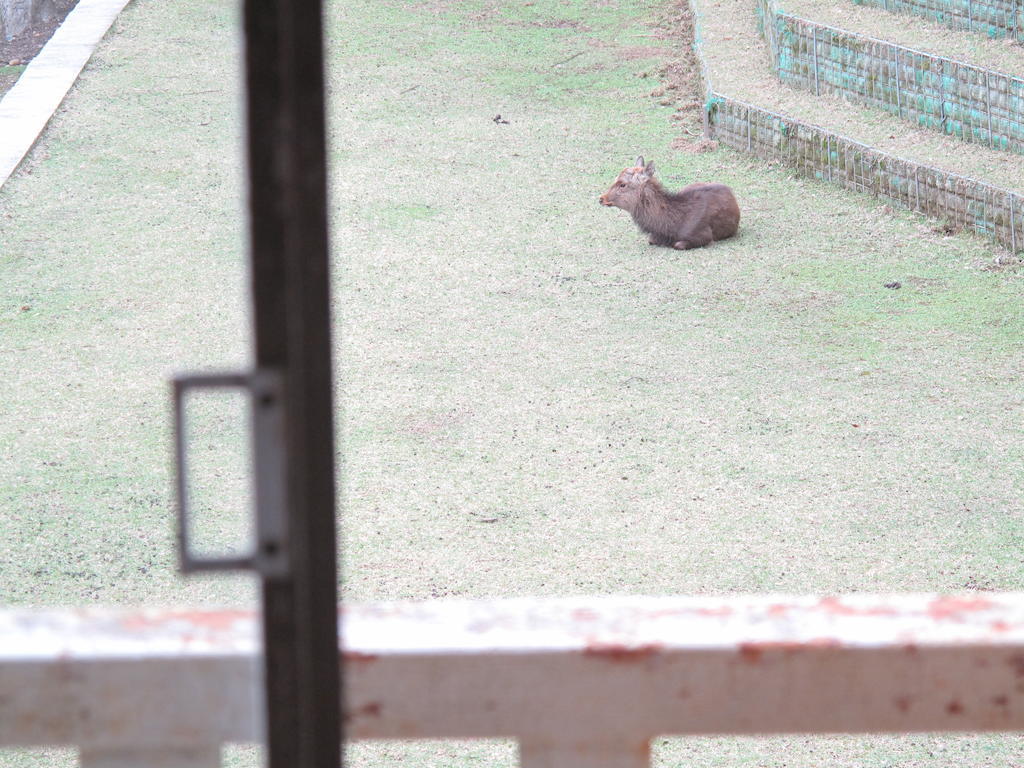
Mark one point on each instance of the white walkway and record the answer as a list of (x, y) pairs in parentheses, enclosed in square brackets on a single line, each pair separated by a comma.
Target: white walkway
[(27, 107)]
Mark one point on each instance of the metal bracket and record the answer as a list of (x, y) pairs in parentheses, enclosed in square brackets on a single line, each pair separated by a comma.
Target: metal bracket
[(269, 558)]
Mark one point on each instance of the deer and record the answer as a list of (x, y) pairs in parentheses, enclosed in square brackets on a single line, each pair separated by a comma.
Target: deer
[(695, 216)]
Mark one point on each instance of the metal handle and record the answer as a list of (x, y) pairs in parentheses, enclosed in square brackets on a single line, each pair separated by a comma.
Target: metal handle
[(266, 390)]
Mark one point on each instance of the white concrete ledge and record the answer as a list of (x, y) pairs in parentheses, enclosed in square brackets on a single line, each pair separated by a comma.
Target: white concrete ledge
[(630, 668), (28, 106), (578, 677)]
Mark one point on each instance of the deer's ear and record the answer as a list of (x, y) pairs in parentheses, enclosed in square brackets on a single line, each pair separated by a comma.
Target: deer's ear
[(649, 168), (640, 162)]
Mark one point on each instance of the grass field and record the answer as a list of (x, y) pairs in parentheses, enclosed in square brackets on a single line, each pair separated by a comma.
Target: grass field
[(532, 400)]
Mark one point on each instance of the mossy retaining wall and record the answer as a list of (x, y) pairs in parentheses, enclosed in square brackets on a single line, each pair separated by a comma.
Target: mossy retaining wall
[(970, 103), (962, 202), (994, 18), (814, 151)]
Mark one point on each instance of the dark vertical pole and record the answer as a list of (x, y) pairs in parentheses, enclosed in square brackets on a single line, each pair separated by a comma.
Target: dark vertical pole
[(288, 202)]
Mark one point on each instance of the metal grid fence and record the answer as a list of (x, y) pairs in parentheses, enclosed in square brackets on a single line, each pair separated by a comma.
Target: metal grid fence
[(964, 203), (995, 18), (971, 103)]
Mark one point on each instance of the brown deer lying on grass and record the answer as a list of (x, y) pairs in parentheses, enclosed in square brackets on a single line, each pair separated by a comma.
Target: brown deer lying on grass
[(693, 217)]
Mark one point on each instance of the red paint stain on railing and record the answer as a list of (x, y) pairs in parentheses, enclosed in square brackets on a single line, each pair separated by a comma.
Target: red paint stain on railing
[(1017, 663), (753, 652), (618, 652), (836, 606), (723, 610), (953, 607), (370, 709), (358, 656)]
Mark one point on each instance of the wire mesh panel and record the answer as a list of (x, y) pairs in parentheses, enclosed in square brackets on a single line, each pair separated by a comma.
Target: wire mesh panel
[(970, 103), (994, 18), (821, 154), (962, 202)]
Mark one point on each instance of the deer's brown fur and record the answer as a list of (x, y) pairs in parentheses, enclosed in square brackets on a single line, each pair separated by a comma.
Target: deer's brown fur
[(693, 217)]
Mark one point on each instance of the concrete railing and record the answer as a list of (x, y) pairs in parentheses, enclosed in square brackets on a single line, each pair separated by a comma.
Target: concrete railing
[(576, 681)]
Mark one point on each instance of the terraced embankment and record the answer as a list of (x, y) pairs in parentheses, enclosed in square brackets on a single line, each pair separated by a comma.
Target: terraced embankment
[(737, 67)]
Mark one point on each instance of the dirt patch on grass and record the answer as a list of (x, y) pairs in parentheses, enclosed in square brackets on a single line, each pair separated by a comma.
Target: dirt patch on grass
[(682, 84), (560, 24), (694, 146), (632, 53)]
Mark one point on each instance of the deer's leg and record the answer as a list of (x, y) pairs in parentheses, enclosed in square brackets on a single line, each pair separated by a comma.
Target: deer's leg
[(695, 239)]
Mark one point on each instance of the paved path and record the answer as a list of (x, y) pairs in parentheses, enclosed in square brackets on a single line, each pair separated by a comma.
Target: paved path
[(29, 105)]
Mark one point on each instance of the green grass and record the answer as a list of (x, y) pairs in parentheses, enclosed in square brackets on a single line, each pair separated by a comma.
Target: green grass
[(9, 75), (122, 260), (761, 415)]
